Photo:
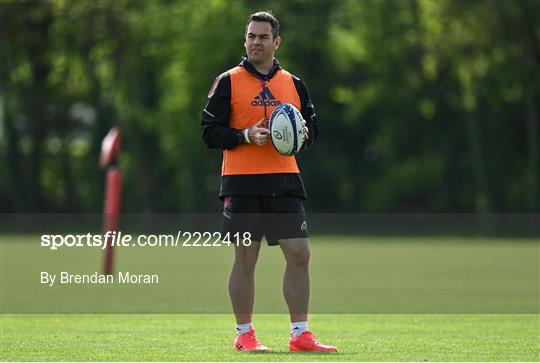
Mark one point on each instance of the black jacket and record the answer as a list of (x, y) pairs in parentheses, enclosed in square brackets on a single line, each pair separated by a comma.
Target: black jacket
[(217, 134)]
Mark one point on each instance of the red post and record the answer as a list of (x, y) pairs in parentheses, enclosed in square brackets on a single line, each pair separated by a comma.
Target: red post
[(110, 149)]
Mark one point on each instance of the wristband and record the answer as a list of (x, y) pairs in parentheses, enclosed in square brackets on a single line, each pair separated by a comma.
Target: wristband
[(246, 136)]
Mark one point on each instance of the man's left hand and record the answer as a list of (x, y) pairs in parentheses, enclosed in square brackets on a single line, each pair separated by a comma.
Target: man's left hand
[(306, 130)]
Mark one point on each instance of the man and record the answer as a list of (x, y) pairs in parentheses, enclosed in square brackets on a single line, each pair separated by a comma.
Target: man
[(262, 190)]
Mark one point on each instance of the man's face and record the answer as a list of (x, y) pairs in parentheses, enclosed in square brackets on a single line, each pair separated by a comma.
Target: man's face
[(260, 45)]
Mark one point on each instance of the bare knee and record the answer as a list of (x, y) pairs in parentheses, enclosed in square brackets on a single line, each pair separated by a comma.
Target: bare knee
[(297, 255), (246, 258), (299, 259)]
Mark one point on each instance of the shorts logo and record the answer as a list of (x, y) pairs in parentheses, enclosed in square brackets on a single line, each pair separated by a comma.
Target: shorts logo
[(227, 207), (303, 227)]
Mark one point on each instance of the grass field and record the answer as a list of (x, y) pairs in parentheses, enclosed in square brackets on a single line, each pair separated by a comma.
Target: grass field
[(349, 275), (377, 299), (208, 337)]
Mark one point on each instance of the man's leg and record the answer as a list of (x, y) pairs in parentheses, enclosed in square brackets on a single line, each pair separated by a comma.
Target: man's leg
[(296, 292), (240, 216), (242, 281), (296, 277), (242, 293)]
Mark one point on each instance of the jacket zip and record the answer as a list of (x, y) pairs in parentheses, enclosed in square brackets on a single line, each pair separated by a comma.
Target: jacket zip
[(263, 84)]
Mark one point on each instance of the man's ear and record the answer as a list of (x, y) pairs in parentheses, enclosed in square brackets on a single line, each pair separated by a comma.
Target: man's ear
[(277, 42)]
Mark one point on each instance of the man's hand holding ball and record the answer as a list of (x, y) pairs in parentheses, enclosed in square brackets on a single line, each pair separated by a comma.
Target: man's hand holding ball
[(257, 134)]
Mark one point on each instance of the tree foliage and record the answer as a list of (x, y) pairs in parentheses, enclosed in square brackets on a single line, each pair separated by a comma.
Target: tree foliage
[(422, 105)]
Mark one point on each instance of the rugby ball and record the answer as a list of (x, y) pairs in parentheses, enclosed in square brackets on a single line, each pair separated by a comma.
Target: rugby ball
[(286, 129)]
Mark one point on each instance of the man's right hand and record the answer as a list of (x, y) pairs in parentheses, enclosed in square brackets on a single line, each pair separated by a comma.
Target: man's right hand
[(258, 134)]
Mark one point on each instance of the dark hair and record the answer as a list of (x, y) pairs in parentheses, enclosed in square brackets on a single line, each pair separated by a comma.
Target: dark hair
[(265, 16)]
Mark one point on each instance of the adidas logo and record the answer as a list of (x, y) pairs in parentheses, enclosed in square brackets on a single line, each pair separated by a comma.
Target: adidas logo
[(265, 98)]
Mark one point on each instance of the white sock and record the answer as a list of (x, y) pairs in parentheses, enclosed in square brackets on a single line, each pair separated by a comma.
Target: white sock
[(298, 327), (243, 328)]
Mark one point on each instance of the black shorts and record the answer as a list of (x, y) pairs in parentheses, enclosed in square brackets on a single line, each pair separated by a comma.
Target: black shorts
[(275, 218)]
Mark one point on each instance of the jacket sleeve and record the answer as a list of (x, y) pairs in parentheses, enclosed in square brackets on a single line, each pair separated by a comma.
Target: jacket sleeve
[(307, 111), (216, 132)]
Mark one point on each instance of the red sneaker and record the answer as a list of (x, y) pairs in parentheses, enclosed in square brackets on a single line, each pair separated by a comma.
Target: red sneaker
[(306, 342), (248, 342)]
